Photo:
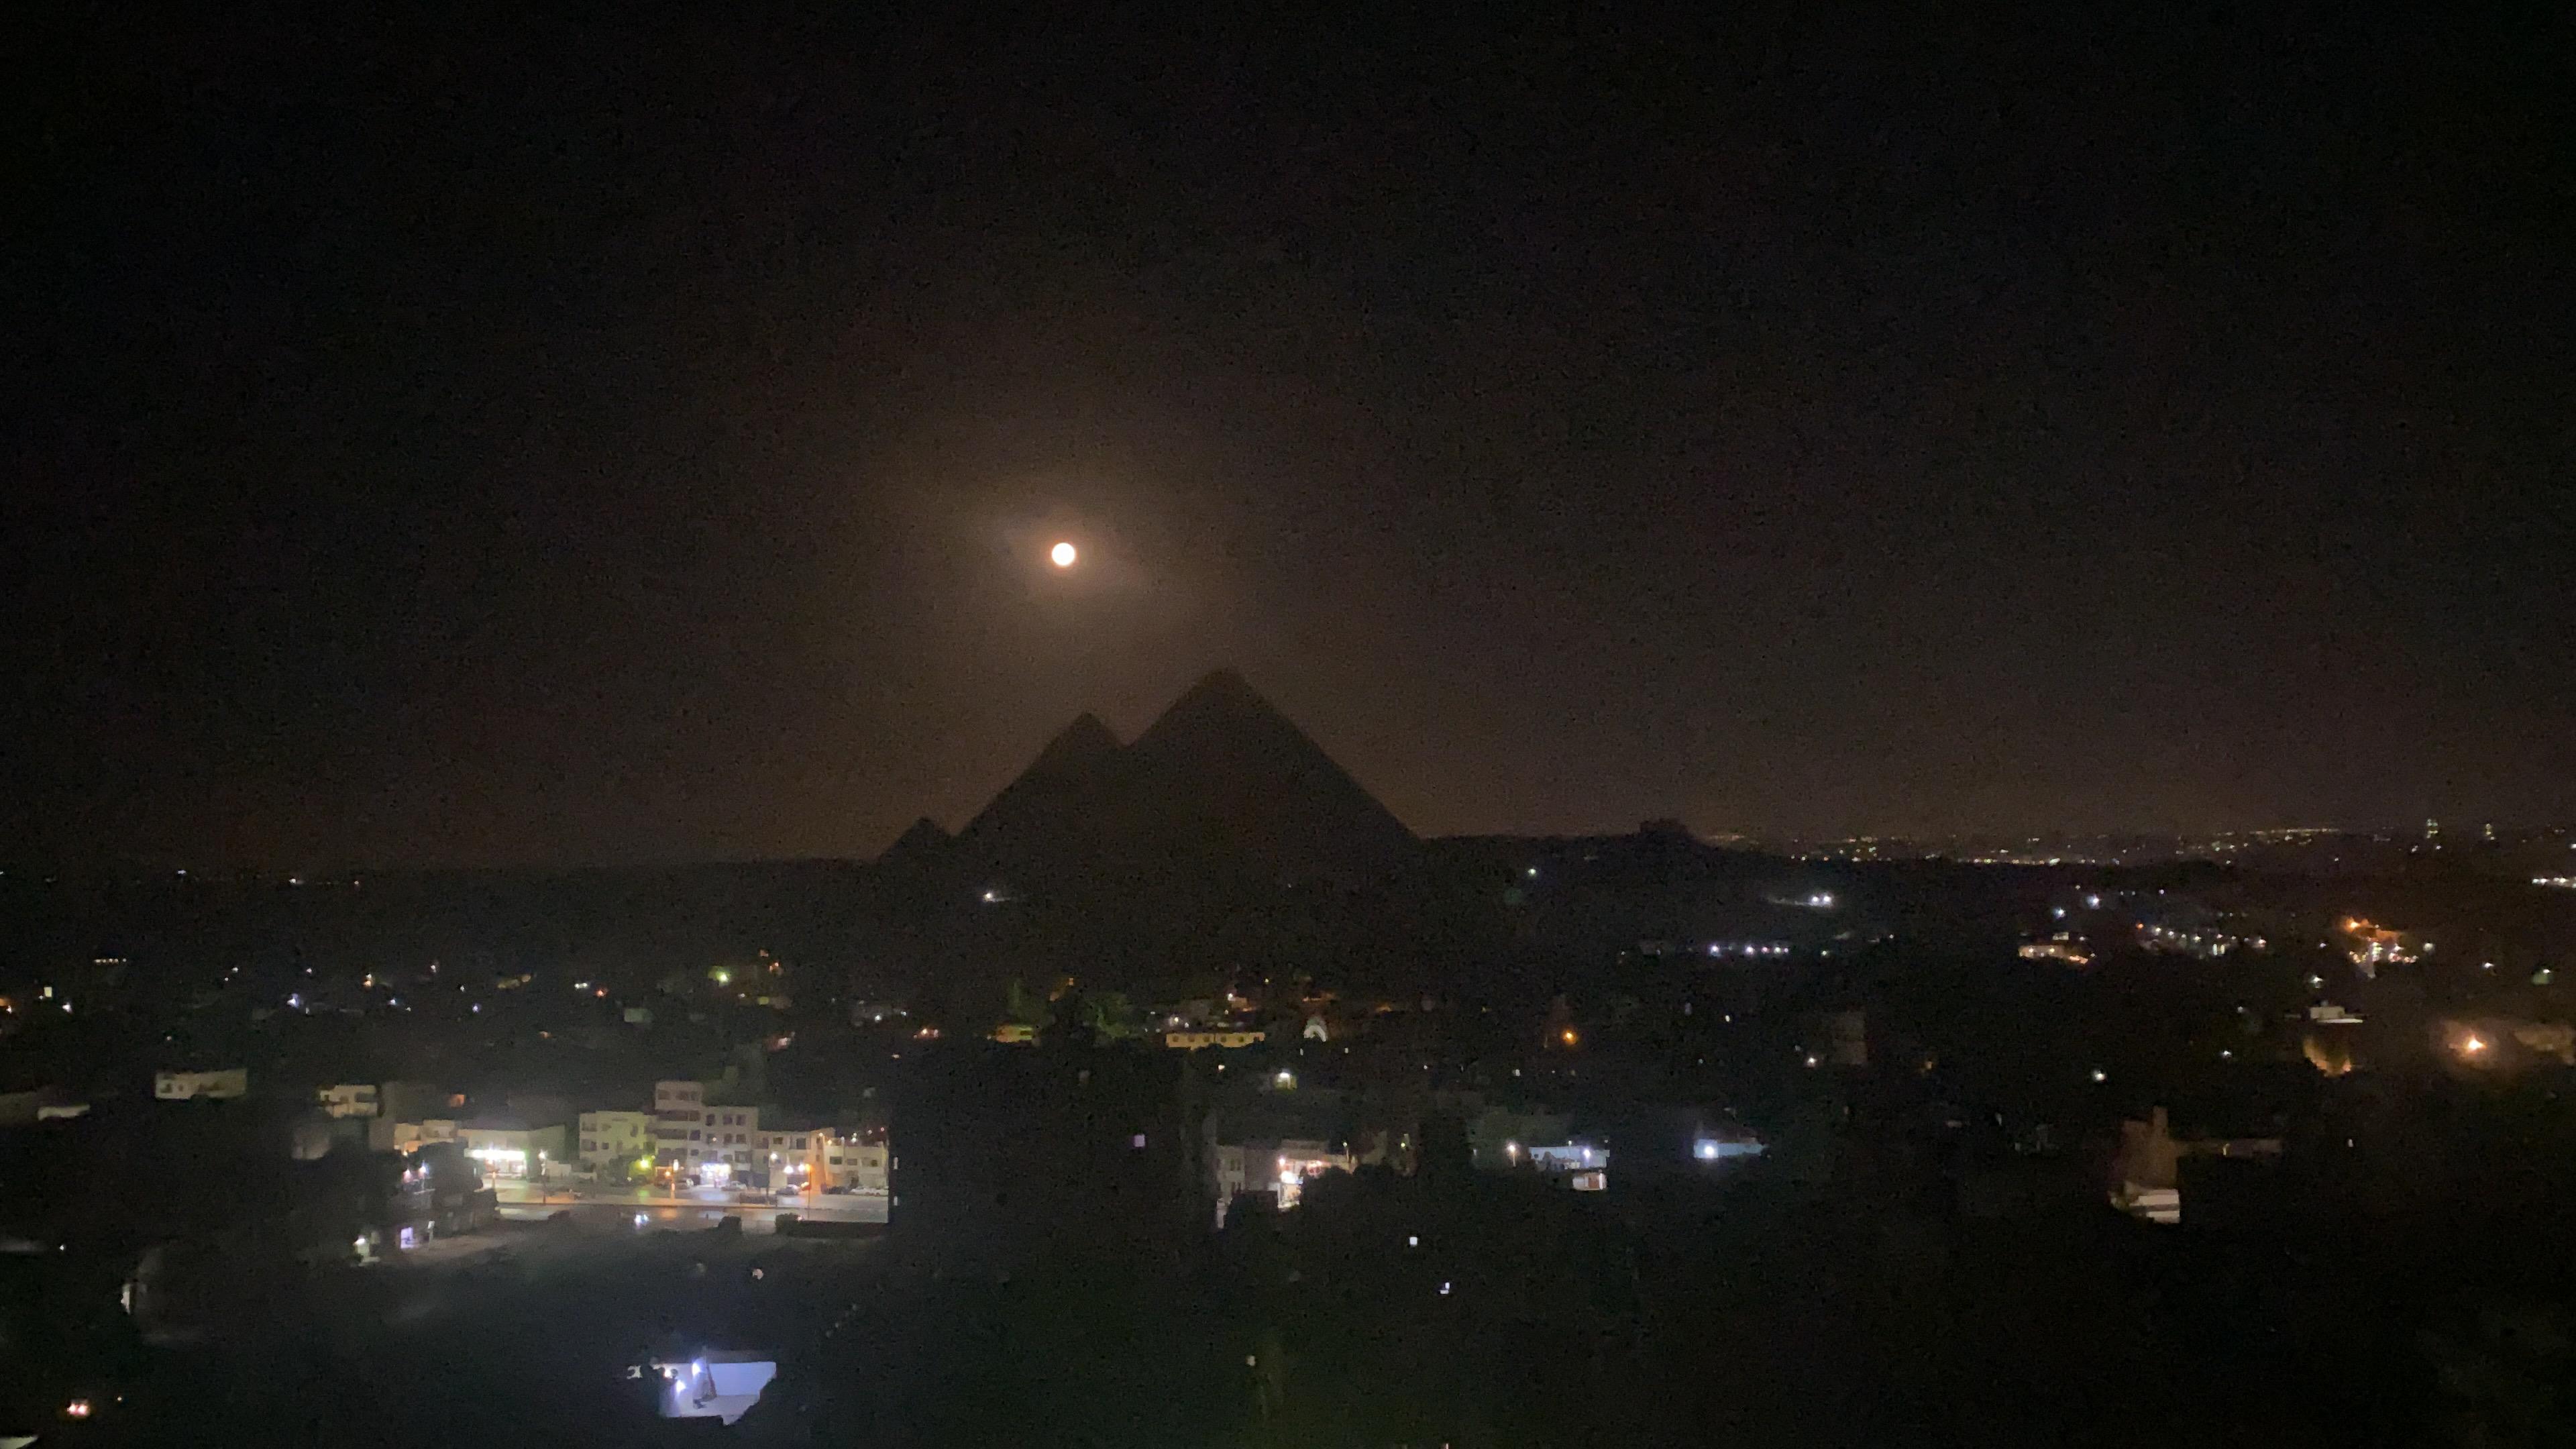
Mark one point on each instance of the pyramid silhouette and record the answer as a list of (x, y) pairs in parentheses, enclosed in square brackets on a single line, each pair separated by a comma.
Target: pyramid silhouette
[(917, 848), (1221, 781)]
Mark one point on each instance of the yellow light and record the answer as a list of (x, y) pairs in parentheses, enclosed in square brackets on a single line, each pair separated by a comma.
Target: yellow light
[(1063, 555), (1569, 1036), (2473, 1046)]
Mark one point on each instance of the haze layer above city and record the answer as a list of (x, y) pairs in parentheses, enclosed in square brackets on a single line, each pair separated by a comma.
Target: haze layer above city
[(2040, 421)]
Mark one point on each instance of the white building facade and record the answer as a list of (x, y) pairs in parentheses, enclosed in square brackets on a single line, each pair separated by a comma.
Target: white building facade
[(514, 1150), (413, 1136), (611, 1141), (350, 1099), (796, 1159), (694, 1138), (857, 1164), (1277, 1170), (219, 1086)]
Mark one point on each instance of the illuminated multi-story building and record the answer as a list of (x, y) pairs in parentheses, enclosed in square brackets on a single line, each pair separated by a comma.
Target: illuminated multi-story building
[(188, 1086), (855, 1162), (508, 1148), (1277, 1170), (712, 1142), (350, 1099), (611, 1140)]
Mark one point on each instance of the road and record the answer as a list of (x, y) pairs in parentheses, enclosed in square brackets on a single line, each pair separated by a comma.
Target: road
[(696, 1208), (526, 1340)]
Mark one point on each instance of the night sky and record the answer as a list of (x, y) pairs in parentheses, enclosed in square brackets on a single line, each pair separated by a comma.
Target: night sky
[(472, 438)]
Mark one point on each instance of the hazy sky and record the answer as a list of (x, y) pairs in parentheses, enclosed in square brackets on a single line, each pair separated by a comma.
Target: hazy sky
[(529, 440)]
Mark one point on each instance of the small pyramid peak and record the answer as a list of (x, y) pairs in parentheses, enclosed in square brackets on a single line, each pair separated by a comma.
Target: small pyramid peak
[(1225, 682), (1222, 696), (921, 837), (924, 828), (1083, 740)]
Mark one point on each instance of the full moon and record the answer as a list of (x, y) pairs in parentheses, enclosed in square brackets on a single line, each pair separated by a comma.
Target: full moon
[(1063, 554)]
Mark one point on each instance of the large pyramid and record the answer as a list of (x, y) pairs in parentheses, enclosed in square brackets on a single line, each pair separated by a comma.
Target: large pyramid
[(1221, 782)]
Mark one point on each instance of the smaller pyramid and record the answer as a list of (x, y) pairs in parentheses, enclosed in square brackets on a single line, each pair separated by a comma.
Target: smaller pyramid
[(1055, 791), (918, 842), (1075, 750)]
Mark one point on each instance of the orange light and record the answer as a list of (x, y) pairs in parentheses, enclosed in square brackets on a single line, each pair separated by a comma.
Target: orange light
[(1569, 1036)]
